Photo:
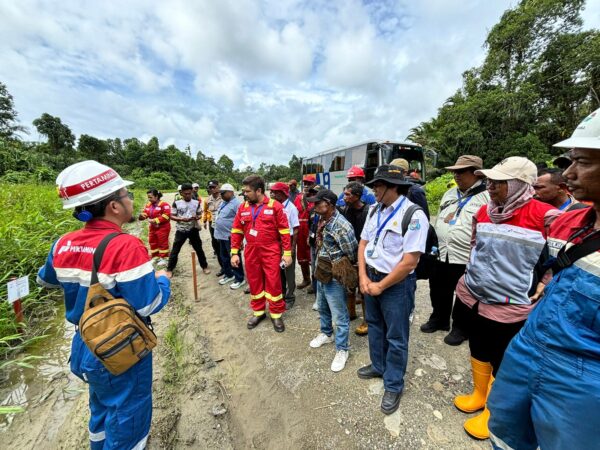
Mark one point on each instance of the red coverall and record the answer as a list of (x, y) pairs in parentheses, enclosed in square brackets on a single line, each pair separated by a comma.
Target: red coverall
[(302, 249), (265, 227), (160, 227)]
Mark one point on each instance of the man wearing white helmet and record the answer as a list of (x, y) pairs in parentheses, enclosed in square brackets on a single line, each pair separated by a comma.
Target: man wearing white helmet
[(547, 390), (120, 406), (195, 189)]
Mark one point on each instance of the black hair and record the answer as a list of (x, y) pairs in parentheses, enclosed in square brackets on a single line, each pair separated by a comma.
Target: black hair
[(400, 189), (355, 188), (155, 192), (255, 183), (187, 187), (97, 209), (556, 175)]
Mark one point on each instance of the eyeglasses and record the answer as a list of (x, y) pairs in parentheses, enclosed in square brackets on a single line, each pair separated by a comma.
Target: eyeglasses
[(128, 194), (459, 171)]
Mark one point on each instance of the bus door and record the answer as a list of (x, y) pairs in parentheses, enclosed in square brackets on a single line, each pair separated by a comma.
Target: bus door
[(371, 161)]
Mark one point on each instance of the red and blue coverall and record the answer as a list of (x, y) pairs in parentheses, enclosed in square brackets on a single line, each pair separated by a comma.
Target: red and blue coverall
[(120, 405), (160, 227), (265, 227)]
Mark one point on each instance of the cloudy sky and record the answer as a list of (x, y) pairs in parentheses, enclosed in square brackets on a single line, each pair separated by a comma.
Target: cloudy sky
[(257, 80)]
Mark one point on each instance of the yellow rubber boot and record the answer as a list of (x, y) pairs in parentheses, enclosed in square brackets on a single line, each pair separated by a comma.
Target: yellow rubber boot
[(477, 427), (482, 372)]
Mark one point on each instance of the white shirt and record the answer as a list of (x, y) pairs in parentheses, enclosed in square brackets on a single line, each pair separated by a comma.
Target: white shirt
[(454, 232), (292, 215), (391, 245)]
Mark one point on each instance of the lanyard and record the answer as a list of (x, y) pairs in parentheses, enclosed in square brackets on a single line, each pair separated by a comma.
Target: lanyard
[(380, 228), (565, 204), (223, 206), (254, 216), (287, 202)]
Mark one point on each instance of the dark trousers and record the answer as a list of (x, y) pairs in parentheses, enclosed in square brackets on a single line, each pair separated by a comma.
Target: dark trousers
[(388, 319), (180, 237), (488, 339), (215, 243), (441, 291), (225, 255), (288, 282)]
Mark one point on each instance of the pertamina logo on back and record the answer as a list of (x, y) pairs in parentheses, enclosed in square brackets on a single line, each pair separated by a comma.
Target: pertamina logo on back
[(75, 249)]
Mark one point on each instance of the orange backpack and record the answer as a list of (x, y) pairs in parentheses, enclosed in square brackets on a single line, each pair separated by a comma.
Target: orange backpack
[(110, 327)]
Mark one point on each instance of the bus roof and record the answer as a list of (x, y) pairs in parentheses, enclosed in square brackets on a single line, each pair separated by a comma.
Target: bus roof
[(378, 141)]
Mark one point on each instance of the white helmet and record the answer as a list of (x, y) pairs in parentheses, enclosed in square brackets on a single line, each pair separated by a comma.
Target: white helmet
[(87, 182), (586, 135), (178, 188), (195, 185)]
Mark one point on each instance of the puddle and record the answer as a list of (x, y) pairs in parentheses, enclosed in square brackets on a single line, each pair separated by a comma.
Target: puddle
[(49, 378)]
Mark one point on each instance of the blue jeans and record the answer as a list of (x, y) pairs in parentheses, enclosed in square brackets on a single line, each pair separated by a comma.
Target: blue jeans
[(331, 298), (225, 257), (388, 320)]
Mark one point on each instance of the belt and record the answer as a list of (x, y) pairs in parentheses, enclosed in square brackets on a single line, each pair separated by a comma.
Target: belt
[(375, 271)]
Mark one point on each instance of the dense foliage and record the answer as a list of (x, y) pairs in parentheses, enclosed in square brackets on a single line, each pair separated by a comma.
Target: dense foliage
[(146, 163), (540, 78)]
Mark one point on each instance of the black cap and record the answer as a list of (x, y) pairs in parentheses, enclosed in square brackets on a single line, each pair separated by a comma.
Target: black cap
[(390, 174), (315, 188), (324, 194), (563, 161)]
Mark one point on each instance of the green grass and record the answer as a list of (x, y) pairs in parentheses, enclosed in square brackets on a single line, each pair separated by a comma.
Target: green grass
[(173, 348), (33, 219)]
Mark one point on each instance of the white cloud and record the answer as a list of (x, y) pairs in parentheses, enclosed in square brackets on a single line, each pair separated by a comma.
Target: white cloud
[(258, 80)]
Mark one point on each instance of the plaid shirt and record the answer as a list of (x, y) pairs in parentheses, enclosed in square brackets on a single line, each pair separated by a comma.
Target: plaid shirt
[(335, 239)]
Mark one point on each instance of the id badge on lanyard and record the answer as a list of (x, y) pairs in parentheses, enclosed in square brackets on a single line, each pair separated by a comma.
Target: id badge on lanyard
[(253, 231), (373, 252)]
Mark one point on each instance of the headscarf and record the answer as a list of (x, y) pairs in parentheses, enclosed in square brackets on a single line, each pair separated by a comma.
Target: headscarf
[(519, 194)]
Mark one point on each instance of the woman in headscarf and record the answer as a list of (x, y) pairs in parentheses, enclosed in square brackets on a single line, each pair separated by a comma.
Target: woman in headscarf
[(499, 287)]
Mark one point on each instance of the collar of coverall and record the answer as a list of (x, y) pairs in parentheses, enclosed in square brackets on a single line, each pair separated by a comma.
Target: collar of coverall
[(101, 224)]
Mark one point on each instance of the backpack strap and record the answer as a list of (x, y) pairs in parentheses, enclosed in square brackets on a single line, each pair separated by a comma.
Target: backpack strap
[(99, 253), (374, 209), (566, 258), (408, 217)]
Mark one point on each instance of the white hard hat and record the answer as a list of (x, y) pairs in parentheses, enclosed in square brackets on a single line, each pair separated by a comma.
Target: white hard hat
[(227, 187), (586, 135), (195, 185), (87, 182), (179, 187)]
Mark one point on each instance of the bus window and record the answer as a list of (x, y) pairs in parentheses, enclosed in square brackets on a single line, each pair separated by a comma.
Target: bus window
[(326, 162), (338, 162)]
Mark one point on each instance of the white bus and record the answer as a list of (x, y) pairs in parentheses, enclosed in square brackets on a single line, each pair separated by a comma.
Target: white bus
[(330, 166)]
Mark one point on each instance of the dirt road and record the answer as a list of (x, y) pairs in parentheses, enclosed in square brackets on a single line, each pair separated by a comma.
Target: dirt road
[(220, 385)]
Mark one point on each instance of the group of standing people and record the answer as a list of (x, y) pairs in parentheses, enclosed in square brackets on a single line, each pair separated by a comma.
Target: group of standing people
[(518, 276)]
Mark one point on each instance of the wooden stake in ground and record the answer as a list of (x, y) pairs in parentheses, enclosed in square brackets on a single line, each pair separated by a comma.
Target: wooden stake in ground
[(194, 276)]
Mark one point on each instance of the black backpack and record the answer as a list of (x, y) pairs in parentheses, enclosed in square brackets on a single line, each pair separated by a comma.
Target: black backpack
[(427, 260)]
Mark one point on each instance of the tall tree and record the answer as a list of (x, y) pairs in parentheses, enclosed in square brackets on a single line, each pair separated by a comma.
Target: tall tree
[(9, 125), (59, 135), (540, 77)]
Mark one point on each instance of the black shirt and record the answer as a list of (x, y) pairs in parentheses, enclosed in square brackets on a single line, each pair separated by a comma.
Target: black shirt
[(356, 217)]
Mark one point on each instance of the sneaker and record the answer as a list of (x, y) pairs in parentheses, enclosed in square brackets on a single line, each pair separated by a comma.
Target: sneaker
[(339, 362), (226, 280), (237, 284), (315, 306), (321, 339), (455, 337), (220, 273)]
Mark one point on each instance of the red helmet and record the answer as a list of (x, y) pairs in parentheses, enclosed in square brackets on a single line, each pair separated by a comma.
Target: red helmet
[(355, 172), (309, 178)]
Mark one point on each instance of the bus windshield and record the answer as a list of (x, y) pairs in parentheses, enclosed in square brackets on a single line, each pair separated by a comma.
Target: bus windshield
[(413, 155)]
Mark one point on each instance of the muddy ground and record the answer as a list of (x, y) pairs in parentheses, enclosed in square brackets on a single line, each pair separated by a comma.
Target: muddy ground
[(219, 385)]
